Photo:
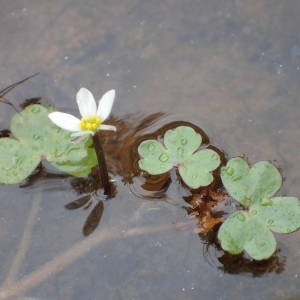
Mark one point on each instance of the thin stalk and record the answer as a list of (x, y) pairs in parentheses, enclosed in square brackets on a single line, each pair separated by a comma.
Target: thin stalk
[(102, 164), (6, 90)]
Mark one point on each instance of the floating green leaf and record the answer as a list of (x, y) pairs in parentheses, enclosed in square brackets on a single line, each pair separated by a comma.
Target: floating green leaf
[(16, 161), (280, 214), (37, 137), (242, 231), (248, 185), (253, 187), (179, 150)]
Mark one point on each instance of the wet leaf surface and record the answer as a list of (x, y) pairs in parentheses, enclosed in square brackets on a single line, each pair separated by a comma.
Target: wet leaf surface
[(178, 150), (250, 185)]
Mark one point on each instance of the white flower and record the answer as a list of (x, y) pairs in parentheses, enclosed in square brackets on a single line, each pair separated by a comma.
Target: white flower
[(92, 117)]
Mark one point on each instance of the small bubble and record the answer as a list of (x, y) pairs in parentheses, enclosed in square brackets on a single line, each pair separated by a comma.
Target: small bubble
[(236, 178), (214, 156), (163, 157), (266, 202), (35, 109), (194, 176), (66, 57), (241, 217), (151, 147), (180, 150), (253, 212), (36, 137), (183, 141), (229, 171)]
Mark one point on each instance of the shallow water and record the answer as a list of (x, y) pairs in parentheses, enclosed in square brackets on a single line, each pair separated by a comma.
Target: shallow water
[(230, 67)]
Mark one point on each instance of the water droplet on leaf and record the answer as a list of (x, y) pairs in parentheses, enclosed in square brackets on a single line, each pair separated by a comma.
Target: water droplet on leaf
[(151, 146), (163, 157), (241, 217), (253, 212), (36, 137), (229, 171), (270, 222), (183, 141), (236, 178), (180, 150), (35, 109), (266, 202), (214, 156)]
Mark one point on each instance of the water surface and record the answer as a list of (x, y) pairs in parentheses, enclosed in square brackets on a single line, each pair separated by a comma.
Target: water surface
[(230, 67)]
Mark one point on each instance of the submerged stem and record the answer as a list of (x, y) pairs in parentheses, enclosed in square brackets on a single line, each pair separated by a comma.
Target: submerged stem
[(102, 164)]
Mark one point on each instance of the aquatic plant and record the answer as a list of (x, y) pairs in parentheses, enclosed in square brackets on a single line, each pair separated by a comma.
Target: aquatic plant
[(92, 117), (90, 124), (179, 150), (36, 137), (253, 188)]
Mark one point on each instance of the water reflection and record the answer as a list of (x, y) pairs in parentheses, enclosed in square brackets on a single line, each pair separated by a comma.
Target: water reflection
[(207, 207)]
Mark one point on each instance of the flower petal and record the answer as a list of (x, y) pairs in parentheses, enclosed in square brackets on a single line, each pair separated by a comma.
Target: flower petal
[(107, 127), (86, 103), (65, 121), (105, 105)]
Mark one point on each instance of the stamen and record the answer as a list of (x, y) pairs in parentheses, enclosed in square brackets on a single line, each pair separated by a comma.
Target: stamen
[(90, 123)]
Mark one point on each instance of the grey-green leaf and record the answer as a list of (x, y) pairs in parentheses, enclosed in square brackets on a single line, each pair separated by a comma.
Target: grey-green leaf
[(178, 151), (182, 142), (195, 171), (250, 185), (280, 214), (38, 135), (16, 161), (243, 231), (155, 158)]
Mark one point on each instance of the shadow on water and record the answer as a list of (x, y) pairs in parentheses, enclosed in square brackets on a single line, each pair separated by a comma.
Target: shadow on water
[(206, 207)]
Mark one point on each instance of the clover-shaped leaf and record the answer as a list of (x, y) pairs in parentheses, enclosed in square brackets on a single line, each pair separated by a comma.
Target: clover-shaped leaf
[(242, 231), (280, 214), (37, 137), (249, 185), (179, 150), (16, 161), (155, 160), (253, 187)]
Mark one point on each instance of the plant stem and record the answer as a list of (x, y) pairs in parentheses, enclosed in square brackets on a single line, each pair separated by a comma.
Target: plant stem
[(102, 164)]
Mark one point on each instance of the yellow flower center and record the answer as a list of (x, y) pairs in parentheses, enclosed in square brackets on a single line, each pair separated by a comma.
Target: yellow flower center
[(90, 123)]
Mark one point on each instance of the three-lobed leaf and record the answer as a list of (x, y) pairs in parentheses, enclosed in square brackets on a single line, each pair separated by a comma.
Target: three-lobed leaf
[(180, 150), (16, 161), (243, 231), (250, 185), (279, 214), (253, 188), (37, 137)]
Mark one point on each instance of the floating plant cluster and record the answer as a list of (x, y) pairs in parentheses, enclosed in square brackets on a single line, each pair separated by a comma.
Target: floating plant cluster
[(67, 143)]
